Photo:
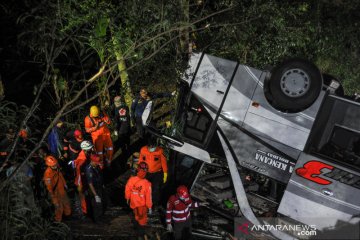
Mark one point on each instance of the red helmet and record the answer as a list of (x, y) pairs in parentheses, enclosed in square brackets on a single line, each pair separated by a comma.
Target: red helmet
[(23, 133), (182, 191), (78, 135), (143, 166), (50, 161), (95, 158)]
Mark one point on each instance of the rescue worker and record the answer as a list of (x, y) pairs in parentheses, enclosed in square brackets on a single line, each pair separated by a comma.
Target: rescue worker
[(96, 191), (122, 121), (96, 125), (138, 106), (158, 170), (138, 194), (178, 212), (75, 140), (80, 166), (55, 184)]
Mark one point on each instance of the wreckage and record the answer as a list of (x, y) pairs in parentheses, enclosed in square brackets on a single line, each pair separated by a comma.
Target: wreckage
[(283, 142)]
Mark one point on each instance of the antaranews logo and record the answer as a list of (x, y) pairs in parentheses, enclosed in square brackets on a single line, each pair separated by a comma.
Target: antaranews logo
[(246, 230)]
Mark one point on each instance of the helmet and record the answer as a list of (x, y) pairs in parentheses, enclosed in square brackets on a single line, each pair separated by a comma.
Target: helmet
[(50, 161), (182, 192), (95, 158), (86, 145), (23, 133), (78, 134), (143, 166), (94, 111)]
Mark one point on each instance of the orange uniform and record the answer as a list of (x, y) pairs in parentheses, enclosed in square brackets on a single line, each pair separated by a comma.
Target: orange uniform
[(55, 184), (100, 133), (138, 191), (155, 160), (80, 163)]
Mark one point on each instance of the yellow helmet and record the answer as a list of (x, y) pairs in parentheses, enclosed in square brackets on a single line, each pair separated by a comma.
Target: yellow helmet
[(94, 111)]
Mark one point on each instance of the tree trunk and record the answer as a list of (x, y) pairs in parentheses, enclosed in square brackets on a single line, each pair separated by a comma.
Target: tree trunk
[(184, 31), (126, 91)]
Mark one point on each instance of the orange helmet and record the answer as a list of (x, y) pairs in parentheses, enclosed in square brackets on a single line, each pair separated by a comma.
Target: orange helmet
[(50, 161)]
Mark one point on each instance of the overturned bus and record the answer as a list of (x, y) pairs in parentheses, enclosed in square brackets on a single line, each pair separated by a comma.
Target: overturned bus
[(257, 143)]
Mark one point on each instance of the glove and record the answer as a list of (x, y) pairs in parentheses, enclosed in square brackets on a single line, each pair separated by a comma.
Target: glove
[(72, 164), (165, 177), (150, 211), (203, 204), (169, 227), (97, 199), (115, 133), (127, 201)]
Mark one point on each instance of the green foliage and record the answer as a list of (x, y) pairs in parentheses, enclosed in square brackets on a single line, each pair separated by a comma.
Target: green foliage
[(20, 218), (261, 33)]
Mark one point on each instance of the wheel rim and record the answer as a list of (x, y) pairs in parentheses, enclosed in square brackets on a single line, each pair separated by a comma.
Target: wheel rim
[(295, 83)]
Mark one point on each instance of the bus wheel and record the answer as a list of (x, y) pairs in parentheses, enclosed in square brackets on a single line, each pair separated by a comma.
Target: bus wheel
[(294, 85)]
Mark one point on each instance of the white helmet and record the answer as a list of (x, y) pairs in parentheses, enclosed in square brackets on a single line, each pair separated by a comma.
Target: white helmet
[(86, 145)]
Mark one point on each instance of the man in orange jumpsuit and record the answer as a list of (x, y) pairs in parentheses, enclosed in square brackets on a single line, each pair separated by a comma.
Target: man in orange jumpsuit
[(80, 164), (138, 193), (96, 125), (55, 184), (154, 157)]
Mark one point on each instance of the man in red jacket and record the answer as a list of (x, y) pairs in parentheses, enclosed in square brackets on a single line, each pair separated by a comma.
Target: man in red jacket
[(178, 212)]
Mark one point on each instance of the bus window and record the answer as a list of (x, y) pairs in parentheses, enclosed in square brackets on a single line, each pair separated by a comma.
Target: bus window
[(197, 122), (336, 132), (186, 169), (343, 146)]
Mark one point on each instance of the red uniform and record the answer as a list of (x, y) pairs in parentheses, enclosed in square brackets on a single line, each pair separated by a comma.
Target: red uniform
[(138, 191), (178, 210), (100, 133), (55, 184)]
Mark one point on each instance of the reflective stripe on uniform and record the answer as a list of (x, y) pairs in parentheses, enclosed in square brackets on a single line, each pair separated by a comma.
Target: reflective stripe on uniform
[(110, 148), (182, 211), (181, 219), (100, 153)]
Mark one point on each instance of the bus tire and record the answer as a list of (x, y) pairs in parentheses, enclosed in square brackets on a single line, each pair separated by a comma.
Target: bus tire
[(294, 85)]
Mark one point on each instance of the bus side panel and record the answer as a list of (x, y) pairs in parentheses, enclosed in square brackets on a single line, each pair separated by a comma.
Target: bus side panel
[(291, 129), (321, 193), (254, 155), (212, 80)]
